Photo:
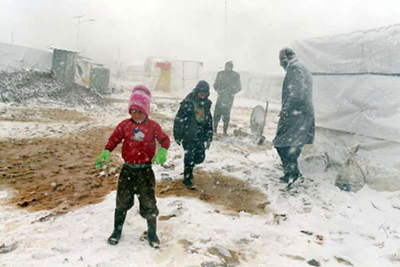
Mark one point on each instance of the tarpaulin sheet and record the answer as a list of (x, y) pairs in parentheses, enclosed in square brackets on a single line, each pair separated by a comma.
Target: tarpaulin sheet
[(372, 51), (356, 87), (21, 57)]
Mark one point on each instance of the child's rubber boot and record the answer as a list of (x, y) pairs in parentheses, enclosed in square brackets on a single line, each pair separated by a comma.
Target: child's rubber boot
[(189, 185), (119, 218), (154, 242), (114, 238), (188, 178)]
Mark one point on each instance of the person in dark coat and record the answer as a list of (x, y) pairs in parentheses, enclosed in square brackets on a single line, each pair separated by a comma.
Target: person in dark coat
[(193, 129), (227, 84), (296, 125)]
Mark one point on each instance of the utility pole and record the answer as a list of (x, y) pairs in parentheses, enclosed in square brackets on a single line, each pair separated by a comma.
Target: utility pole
[(226, 30), (79, 18), (77, 32)]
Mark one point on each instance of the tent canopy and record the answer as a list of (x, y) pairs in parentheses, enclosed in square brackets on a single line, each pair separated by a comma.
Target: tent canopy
[(21, 57), (356, 81)]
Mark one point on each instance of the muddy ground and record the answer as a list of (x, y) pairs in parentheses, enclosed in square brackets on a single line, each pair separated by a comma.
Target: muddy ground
[(59, 173)]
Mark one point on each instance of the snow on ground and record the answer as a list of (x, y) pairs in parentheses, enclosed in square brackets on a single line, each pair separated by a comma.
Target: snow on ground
[(314, 224)]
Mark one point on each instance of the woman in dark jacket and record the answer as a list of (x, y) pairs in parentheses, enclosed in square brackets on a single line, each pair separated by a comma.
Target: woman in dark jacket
[(193, 129)]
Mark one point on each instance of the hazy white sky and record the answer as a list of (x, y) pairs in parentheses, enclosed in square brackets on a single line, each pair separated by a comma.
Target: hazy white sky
[(187, 29)]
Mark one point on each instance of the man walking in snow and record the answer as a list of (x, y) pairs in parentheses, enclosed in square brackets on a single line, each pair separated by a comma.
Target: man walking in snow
[(227, 84), (296, 125)]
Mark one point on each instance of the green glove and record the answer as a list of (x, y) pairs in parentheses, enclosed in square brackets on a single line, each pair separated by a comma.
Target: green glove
[(160, 157), (105, 155)]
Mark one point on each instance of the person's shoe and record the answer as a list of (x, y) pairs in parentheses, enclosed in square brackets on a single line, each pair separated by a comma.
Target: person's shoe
[(114, 238), (154, 242), (152, 237), (119, 218), (285, 178), (294, 177), (189, 185)]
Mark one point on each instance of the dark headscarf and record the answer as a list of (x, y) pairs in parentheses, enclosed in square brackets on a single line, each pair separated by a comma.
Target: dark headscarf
[(229, 64)]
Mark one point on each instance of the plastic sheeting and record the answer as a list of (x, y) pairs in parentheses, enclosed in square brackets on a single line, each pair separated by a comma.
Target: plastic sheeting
[(266, 86), (186, 74), (180, 74), (21, 57), (372, 51), (365, 104), (356, 89), (378, 159)]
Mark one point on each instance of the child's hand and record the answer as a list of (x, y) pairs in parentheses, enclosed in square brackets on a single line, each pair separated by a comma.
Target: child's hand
[(160, 157), (105, 155)]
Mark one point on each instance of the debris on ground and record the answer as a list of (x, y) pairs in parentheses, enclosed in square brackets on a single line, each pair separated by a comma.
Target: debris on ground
[(41, 88)]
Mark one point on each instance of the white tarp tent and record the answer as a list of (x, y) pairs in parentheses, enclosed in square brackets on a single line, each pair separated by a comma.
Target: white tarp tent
[(356, 98), (356, 81), (186, 74), (183, 74), (265, 86), (21, 57)]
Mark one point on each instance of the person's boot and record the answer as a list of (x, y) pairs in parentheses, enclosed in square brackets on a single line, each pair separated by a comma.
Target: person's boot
[(215, 129), (286, 171), (294, 173), (295, 176), (225, 130), (285, 178), (119, 218), (188, 178), (154, 242)]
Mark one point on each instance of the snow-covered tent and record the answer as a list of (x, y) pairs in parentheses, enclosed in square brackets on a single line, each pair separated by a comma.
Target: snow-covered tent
[(357, 90), (22, 57), (172, 74), (263, 86)]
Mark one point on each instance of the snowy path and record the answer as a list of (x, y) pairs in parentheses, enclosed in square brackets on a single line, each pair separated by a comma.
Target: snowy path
[(313, 223)]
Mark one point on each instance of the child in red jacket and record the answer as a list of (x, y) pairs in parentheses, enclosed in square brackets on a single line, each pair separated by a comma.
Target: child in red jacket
[(139, 134)]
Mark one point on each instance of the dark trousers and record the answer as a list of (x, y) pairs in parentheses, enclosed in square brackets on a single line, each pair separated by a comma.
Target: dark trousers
[(289, 156), (223, 110), (140, 182), (194, 154)]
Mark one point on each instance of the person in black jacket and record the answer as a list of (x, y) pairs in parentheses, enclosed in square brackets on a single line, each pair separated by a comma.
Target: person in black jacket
[(227, 84), (193, 129)]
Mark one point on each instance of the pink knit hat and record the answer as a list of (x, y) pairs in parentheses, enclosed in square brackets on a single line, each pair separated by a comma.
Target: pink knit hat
[(140, 99)]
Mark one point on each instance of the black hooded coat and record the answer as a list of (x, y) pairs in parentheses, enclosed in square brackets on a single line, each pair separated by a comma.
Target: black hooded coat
[(187, 128)]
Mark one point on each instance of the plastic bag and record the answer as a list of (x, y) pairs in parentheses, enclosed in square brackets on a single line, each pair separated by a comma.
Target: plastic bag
[(351, 177)]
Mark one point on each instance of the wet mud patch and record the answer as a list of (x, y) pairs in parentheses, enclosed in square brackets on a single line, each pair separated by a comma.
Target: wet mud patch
[(42, 115), (215, 188), (59, 173), (49, 173)]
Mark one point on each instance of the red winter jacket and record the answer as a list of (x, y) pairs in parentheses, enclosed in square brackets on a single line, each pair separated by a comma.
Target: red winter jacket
[(139, 144)]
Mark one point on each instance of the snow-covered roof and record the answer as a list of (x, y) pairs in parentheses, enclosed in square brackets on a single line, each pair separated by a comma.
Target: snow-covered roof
[(55, 47)]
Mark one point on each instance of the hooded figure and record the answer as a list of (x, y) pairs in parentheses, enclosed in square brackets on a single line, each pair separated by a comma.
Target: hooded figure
[(227, 84), (193, 128), (296, 125)]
